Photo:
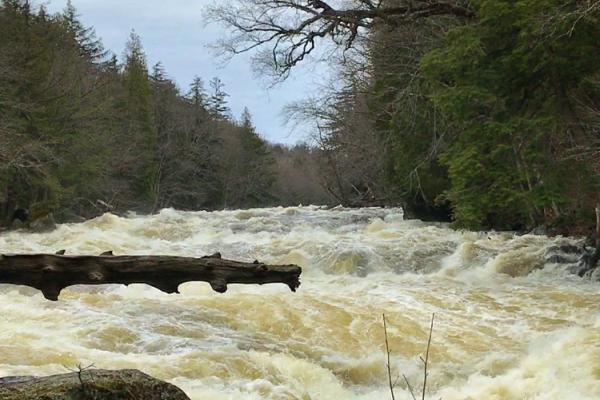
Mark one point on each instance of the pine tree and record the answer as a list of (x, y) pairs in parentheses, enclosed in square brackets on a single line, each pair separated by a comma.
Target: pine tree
[(197, 93), (217, 101), (246, 121), (42, 13), (112, 64), (159, 74), (141, 130), (90, 46), (257, 164), (137, 85)]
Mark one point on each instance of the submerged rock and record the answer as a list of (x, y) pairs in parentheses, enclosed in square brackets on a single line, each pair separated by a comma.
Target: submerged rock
[(90, 385), (589, 264), (579, 260), (43, 224)]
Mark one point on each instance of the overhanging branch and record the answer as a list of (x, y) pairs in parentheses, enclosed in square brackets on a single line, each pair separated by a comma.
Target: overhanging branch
[(292, 27)]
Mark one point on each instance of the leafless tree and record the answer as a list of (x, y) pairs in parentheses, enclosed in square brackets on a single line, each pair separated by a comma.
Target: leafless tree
[(352, 154), (285, 32)]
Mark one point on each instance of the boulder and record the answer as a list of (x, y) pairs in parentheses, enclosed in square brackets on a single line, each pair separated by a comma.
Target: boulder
[(577, 259), (90, 385), (589, 264), (43, 224)]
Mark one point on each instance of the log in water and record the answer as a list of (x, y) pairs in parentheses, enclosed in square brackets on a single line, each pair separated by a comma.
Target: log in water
[(50, 273), (509, 324)]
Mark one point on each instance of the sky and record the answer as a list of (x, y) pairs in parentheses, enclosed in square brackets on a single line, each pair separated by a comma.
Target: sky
[(175, 32)]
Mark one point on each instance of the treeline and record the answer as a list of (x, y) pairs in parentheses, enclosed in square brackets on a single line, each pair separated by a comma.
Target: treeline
[(83, 132), (491, 121), (486, 113)]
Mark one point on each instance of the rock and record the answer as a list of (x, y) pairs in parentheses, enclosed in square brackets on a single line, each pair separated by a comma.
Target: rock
[(577, 259), (90, 385), (43, 224), (68, 217), (561, 259), (568, 248), (14, 379), (589, 265), (20, 214), (564, 254), (539, 230), (17, 224)]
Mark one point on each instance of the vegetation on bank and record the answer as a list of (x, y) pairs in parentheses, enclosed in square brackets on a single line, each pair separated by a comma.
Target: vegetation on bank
[(483, 112), (486, 112), (83, 131)]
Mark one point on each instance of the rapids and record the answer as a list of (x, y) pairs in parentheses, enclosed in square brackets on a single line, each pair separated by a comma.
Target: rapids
[(508, 324)]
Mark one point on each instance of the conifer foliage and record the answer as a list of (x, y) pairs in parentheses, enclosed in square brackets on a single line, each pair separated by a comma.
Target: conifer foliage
[(485, 112), (83, 131)]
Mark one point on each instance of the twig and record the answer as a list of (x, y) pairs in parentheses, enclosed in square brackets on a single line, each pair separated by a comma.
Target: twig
[(410, 389), (79, 371), (387, 349), (426, 361), (598, 227)]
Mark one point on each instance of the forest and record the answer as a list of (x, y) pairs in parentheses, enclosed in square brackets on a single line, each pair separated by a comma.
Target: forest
[(483, 113), (83, 131)]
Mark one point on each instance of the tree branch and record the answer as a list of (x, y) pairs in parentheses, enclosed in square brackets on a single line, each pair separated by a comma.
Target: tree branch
[(292, 27)]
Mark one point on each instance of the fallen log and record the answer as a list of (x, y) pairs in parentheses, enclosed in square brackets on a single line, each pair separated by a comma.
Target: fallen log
[(51, 273)]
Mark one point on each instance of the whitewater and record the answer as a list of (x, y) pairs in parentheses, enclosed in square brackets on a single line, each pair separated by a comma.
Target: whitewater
[(508, 323)]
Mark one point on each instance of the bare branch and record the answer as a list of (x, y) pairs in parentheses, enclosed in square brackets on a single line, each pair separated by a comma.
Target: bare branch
[(387, 350), (410, 389), (426, 361), (293, 28)]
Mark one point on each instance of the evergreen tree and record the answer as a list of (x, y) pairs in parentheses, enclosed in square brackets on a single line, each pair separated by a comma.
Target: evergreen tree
[(257, 164), (197, 93), (508, 85), (217, 101), (407, 120), (159, 74), (112, 64), (140, 131), (90, 46)]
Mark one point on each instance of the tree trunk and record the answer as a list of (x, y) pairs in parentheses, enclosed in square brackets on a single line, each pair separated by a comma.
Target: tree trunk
[(7, 207), (51, 273), (597, 227)]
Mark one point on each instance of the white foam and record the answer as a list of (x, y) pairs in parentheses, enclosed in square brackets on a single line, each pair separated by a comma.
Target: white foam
[(507, 326)]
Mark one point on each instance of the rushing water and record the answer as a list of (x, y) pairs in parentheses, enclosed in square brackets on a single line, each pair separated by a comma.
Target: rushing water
[(508, 325)]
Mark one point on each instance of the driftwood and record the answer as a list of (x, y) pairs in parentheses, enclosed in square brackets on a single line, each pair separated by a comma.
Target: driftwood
[(51, 273)]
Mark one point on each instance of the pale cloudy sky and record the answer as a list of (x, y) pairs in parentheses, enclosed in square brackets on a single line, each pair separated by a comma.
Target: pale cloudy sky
[(174, 32)]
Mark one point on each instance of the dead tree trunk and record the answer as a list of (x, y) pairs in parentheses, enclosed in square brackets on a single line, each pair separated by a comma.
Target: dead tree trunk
[(51, 273), (598, 227), (596, 256)]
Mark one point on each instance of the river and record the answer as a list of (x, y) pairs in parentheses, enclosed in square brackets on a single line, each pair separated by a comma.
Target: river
[(508, 325)]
